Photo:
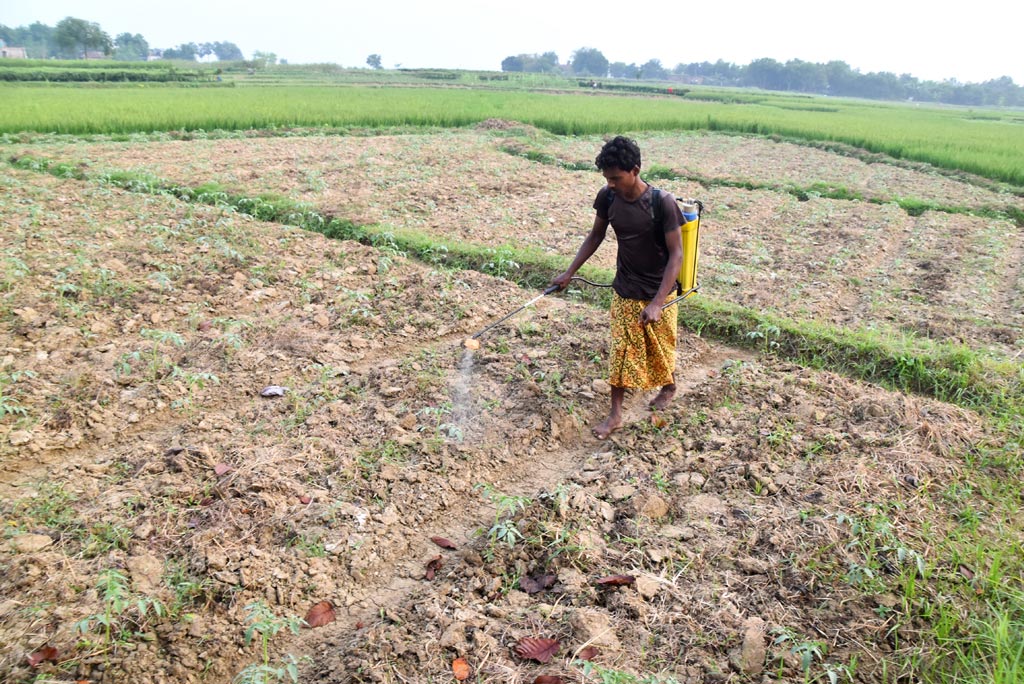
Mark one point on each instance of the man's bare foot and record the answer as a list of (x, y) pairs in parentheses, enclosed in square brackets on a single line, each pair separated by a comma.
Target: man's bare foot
[(607, 427), (664, 398)]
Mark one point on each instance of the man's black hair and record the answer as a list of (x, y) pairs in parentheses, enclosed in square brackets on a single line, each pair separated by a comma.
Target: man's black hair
[(619, 153)]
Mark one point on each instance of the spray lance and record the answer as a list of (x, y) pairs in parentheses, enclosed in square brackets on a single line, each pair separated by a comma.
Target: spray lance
[(473, 343)]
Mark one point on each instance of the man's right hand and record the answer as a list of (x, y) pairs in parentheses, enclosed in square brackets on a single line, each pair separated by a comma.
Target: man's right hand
[(562, 281)]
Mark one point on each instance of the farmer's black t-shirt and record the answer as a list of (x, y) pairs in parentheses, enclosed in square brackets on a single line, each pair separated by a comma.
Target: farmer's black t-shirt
[(641, 260)]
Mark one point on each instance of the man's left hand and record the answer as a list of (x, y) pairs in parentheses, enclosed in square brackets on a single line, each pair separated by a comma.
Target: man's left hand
[(650, 314)]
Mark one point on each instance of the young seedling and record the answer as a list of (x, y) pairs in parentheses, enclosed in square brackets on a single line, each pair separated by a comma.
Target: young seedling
[(266, 624)]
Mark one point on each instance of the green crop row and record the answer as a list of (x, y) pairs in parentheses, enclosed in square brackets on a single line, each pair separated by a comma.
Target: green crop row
[(945, 137)]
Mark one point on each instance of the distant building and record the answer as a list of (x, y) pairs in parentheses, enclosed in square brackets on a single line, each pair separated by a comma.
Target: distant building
[(12, 52), (95, 54), (154, 54)]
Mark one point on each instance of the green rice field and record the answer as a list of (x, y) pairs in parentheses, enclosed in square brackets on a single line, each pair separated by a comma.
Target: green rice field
[(989, 144)]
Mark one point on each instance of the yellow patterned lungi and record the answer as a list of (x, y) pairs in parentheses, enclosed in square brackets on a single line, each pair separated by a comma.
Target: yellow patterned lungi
[(642, 356)]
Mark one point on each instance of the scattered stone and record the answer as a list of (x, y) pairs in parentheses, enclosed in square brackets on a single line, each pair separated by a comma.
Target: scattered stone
[(654, 507), (621, 492), (227, 577), (753, 566), (20, 437), (647, 586), (30, 543), (594, 627), (601, 387), (674, 532), (690, 480), (749, 658), (216, 559), (146, 571), (27, 314), (659, 555), (455, 638)]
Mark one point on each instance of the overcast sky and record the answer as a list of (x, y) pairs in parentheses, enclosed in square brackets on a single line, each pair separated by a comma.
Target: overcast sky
[(969, 41)]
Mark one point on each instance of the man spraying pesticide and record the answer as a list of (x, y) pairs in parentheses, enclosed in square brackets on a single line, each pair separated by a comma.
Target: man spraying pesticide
[(647, 225)]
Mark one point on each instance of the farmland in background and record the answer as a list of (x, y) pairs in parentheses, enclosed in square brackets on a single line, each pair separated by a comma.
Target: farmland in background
[(834, 497)]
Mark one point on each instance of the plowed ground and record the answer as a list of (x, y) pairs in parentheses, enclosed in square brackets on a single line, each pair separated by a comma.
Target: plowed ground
[(773, 511)]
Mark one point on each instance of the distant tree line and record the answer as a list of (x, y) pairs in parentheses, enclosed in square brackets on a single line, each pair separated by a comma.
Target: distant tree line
[(833, 78), (75, 38)]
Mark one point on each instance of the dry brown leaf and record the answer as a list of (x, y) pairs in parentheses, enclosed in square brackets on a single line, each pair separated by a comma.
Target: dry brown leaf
[(460, 668), (534, 648), (657, 421), (433, 565), (548, 679), (615, 580), (46, 653), (588, 653), (222, 469), (443, 543), (321, 614), (537, 584)]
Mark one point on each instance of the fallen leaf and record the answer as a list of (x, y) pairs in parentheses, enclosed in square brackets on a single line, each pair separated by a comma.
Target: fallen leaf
[(615, 580), (588, 653), (433, 565), (273, 391), (443, 543), (305, 499), (966, 572), (460, 668), (547, 679), (321, 614), (536, 584), (657, 421), (46, 653), (533, 648), (221, 469)]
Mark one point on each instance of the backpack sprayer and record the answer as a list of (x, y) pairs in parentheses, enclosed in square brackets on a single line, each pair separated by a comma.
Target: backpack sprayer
[(686, 279)]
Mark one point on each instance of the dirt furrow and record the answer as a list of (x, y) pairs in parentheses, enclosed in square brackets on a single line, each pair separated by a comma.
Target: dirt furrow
[(529, 473)]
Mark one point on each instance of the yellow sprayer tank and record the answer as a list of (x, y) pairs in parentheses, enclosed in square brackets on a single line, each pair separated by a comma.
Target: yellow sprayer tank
[(691, 232)]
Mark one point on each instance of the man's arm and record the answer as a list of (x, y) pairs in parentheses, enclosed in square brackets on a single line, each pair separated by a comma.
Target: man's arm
[(587, 249)]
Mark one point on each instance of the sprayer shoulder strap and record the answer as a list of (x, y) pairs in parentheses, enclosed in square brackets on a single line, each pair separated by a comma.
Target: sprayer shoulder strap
[(657, 211)]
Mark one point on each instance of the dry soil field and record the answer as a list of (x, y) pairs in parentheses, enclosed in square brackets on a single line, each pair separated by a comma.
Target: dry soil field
[(164, 521)]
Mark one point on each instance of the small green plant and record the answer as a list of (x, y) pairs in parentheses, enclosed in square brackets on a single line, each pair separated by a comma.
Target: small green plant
[(607, 675), (124, 615), (10, 406), (14, 269), (188, 590), (193, 382), (156, 365), (501, 264), (104, 537), (807, 650), (766, 335), (263, 622), (504, 529)]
